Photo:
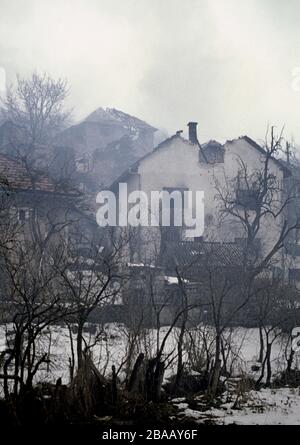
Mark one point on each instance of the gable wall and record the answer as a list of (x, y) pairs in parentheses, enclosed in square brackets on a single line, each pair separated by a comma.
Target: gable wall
[(176, 165)]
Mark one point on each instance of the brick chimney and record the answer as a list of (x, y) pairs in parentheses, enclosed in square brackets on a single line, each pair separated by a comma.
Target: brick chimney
[(193, 132)]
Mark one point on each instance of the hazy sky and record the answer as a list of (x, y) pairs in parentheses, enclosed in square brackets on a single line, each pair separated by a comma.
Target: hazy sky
[(224, 63)]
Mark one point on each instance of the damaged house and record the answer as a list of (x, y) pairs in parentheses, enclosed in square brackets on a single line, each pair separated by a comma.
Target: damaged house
[(222, 172), (231, 176)]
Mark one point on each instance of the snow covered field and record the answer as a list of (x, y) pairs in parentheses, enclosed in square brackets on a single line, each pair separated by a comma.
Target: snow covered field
[(265, 407)]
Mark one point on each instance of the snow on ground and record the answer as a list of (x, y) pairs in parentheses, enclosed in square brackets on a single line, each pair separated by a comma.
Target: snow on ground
[(110, 349), (112, 345), (265, 407)]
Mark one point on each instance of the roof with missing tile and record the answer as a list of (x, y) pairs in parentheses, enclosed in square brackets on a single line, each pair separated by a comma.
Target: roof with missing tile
[(14, 175)]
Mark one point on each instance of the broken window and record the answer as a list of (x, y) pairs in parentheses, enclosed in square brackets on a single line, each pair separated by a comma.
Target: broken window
[(246, 193), (22, 214), (173, 233), (212, 153)]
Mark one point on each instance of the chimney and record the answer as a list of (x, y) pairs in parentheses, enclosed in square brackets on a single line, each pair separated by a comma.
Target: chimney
[(193, 132)]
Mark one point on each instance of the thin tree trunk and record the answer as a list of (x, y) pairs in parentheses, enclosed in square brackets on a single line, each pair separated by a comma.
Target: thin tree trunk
[(72, 358), (114, 386), (79, 345), (17, 348), (179, 372), (262, 346), (49, 351), (269, 366), (215, 374)]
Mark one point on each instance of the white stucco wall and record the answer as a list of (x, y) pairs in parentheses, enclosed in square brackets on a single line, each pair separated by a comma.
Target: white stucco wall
[(176, 164)]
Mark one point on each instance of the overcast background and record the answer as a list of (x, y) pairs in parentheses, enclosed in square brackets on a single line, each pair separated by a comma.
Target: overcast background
[(224, 63)]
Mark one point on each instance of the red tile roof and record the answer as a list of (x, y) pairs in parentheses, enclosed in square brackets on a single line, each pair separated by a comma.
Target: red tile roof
[(15, 176)]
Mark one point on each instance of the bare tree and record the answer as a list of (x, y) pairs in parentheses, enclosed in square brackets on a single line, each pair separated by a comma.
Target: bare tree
[(91, 281), (270, 304), (32, 304), (261, 200), (35, 112), (254, 198)]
